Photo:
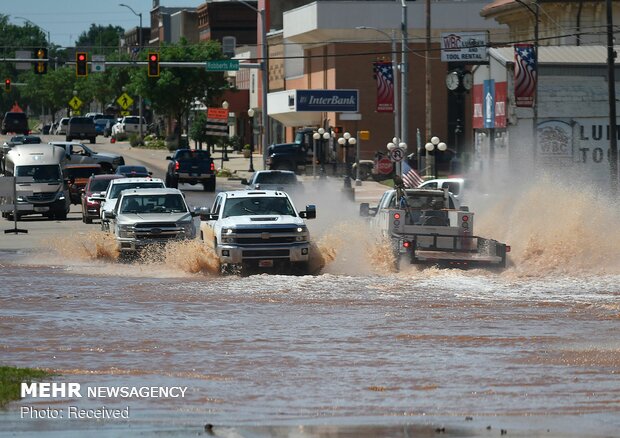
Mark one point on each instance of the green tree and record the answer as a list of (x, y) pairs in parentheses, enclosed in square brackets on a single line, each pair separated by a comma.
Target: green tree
[(100, 39), (173, 93)]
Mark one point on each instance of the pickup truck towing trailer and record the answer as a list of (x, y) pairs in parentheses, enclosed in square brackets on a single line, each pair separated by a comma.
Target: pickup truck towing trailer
[(428, 226)]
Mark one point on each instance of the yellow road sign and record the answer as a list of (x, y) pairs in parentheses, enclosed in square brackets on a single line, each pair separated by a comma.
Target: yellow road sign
[(75, 103), (124, 100), (124, 113)]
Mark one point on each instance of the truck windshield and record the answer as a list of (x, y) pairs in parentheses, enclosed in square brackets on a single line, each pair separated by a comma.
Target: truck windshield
[(153, 204), (40, 173), (258, 206), (275, 178), (192, 154), (117, 188)]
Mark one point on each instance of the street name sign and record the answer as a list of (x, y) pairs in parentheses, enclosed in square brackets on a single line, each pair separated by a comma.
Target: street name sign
[(222, 65)]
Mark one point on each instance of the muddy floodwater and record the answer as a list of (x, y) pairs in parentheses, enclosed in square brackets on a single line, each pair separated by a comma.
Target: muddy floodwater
[(533, 350)]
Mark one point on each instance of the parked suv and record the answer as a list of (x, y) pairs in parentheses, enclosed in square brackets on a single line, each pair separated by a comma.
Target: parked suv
[(15, 122), (81, 128)]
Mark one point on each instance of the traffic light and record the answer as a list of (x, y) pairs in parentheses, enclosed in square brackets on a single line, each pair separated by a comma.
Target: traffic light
[(7, 85), (81, 65), (153, 71), (40, 67)]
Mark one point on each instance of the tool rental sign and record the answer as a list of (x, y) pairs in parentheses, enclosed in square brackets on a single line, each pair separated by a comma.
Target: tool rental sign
[(582, 142)]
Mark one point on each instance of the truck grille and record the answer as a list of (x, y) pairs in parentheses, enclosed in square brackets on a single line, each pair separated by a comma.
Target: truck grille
[(160, 230), (258, 253), (41, 197), (266, 236)]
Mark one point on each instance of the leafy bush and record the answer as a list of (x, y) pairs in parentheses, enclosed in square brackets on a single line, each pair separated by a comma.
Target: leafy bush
[(224, 173), (135, 140)]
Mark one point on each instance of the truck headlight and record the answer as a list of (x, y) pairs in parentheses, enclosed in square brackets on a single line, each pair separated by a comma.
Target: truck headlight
[(188, 228), (302, 234), (227, 231), (21, 199), (125, 230)]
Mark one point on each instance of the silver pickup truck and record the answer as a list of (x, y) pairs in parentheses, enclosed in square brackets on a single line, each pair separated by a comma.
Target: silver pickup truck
[(149, 216)]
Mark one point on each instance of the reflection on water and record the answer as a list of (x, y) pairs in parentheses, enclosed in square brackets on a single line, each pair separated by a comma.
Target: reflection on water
[(357, 340)]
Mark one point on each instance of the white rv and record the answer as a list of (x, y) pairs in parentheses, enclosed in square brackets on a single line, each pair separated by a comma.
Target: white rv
[(44, 192)]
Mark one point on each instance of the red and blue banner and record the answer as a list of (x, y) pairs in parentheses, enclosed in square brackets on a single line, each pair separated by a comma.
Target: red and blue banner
[(384, 75), (526, 75)]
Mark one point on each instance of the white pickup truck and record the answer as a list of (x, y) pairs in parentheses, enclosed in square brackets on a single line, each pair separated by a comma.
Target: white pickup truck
[(258, 230), (429, 226)]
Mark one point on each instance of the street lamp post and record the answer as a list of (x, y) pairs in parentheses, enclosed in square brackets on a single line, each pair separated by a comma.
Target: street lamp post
[(49, 41), (322, 136), (346, 141), (140, 47), (536, 14), (264, 66), (251, 117), (435, 143), (395, 74)]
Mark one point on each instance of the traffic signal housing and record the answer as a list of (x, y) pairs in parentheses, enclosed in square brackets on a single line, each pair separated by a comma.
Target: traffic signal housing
[(40, 67), (81, 64), (153, 71), (7, 85)]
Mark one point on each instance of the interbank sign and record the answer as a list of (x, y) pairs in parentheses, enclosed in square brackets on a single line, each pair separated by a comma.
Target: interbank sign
[(327, 100)]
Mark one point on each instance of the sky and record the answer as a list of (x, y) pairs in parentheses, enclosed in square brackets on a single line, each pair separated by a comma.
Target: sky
[(65, 20)]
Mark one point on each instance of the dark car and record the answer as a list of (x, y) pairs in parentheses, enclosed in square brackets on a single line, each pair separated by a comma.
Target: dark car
[(133, 171), (284, 180), (91, 203), (15, 122), (78, 175), (288, 156), (25, 139)]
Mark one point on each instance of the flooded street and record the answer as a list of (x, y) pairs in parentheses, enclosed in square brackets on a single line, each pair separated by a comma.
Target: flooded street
[(357, 350)]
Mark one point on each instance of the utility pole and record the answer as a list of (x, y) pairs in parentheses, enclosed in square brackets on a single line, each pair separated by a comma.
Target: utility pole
[(404, 72), (611, 83)]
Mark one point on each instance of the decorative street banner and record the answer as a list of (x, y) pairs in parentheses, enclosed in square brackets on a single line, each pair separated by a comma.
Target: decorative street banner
[(525, 75), (490, 103), (217, 122), (384, 75)]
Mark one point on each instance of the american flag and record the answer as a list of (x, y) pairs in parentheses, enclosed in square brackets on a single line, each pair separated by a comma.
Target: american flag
[(384, 75), (411, 178), (525, 75)]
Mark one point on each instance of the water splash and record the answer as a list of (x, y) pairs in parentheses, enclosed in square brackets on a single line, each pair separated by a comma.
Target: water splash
[(556, 229)]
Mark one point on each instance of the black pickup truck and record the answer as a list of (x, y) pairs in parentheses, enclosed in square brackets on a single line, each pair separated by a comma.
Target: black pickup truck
[(192, 166), (288, 156)]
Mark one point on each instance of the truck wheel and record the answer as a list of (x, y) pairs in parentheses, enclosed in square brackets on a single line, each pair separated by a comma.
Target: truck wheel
[(67, 138), (300, 268), (174, 183), (106, 168), (93, 140), (209, 186), (87, 220)]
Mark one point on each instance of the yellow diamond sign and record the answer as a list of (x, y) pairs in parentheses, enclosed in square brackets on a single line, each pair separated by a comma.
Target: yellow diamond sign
[(75, 103), (124, 100)]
